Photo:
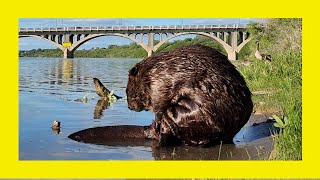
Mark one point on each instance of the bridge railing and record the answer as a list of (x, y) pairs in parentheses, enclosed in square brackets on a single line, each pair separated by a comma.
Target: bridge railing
[(131, 28)]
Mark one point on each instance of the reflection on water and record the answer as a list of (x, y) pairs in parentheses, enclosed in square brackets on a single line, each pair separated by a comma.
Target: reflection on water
[(101, 105), (256, 151), (56, 131), (49, 89), (56, 76)]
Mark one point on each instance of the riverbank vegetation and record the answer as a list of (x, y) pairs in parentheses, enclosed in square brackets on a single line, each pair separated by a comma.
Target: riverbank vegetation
[(279, 82)]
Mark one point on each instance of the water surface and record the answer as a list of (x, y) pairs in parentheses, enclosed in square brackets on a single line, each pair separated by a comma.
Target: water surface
[(51, 89)]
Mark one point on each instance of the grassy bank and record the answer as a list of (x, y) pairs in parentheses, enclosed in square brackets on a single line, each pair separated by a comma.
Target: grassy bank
[(280, 83), (279, 91)]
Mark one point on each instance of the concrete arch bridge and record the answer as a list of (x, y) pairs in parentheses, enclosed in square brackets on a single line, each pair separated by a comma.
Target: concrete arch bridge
[(231, 37)]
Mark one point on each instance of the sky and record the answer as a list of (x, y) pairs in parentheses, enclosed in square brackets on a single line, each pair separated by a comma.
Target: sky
[(34, 43)]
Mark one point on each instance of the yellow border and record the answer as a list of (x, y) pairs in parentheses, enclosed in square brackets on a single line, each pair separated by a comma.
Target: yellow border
[(11, 167)]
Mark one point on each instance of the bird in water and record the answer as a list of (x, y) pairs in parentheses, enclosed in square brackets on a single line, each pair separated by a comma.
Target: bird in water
[(55, 124), (261, 56), (56, 127)]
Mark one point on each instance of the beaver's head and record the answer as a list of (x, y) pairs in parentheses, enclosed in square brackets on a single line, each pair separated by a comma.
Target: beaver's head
[(138, 86)]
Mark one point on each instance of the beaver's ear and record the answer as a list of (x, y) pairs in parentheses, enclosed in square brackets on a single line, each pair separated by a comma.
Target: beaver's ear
[(133, 71)]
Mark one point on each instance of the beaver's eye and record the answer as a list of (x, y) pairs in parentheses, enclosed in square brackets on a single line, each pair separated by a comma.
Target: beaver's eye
[(133, 71)]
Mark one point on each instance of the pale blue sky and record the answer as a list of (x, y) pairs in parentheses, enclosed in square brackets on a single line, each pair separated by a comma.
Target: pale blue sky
[(33, 43)]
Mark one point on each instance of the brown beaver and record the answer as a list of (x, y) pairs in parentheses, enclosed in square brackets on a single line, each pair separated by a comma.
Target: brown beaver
[(197, 95)]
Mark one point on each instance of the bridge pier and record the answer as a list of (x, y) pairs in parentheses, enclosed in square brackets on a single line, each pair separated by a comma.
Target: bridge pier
[(67, 54), (150, 52), (233, 42), (150, 44), (232, 55)]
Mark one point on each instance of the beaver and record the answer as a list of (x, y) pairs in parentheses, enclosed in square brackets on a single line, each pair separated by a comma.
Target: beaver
[(197, 95)]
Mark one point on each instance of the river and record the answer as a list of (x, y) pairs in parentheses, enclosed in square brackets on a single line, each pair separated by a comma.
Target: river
[(52, 89)]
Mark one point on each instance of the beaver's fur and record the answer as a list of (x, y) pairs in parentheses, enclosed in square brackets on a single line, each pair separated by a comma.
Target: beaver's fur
[(196, 93)]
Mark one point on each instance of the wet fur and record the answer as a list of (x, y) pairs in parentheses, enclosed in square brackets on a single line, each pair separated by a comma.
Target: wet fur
[(197, 95)]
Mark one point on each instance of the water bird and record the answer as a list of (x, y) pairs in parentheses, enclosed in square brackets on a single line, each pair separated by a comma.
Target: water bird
[(56, 124), (261, 56)]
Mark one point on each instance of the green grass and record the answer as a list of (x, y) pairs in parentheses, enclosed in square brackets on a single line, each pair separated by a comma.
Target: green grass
[(282, 78)]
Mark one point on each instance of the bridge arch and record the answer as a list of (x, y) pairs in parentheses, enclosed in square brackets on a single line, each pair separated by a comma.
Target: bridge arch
[(39, 37), (89, 37), (240, 46), (221, 42)]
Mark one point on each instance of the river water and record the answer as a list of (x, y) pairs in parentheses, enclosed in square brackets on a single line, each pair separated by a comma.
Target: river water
[(52, 89)]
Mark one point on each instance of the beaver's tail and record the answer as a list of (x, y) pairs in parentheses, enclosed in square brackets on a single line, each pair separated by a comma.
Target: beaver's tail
[(112, 135)]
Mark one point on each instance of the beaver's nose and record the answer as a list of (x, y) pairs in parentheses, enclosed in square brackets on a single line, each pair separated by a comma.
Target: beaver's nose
[(130, 108)]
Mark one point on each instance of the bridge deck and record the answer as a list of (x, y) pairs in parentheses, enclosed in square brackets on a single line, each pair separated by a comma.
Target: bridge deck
[(133, 28)]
